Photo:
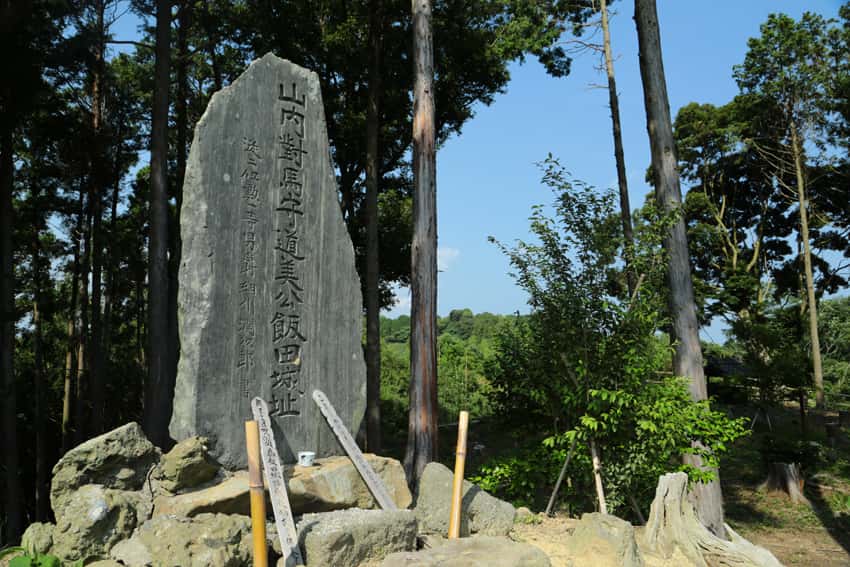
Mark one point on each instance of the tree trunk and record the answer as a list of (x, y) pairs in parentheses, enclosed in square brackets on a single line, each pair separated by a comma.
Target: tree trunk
[(12, 502), (373, 172), (83, 325), (159, 389), (673, 525), (687, 360), (422, 424), (597, 477), (70, 363), (785, 477), (95, 195), (807, 266), (175, 237), (622, 180)]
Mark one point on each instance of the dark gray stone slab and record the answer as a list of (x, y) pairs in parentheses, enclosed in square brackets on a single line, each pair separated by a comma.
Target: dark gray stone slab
[(269, 297)]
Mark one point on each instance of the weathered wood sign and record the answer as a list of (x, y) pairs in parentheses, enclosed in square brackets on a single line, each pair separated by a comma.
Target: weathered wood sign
[(277, 486), (370, 477)]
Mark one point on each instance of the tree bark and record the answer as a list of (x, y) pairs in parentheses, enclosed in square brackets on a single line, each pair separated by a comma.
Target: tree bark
[(12, 502), (597, 477), (817, 367), (159, 389), (70, 362), (619, 158), (82, 323), (373, 172), (95, 195), (687, 360), (422, 423)]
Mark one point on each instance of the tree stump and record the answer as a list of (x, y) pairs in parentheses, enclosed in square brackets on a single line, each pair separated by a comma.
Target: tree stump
[(673, 523), (785, 477)]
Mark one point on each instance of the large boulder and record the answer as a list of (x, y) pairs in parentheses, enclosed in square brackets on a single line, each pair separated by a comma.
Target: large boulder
[(479, 551), (228, 497), (481, 513), (348, 538), (600, 540), (120, 459), (187, 465), (334, 484), (38, 538), (90, 523), (207, 539)]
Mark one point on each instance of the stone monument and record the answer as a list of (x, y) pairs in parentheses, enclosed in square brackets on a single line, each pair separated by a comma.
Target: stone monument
[(269, 298)]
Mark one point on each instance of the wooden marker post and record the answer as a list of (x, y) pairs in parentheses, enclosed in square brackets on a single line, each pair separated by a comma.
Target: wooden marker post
[(457, 487), (258, 494)]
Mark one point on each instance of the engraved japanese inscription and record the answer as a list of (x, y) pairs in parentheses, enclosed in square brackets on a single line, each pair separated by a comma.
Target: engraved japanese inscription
[(269, 300)]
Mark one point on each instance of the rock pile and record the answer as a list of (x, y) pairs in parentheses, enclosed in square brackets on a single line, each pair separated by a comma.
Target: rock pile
[(119, 501)]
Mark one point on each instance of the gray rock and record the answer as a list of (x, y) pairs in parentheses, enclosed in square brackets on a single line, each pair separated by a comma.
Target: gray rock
[(205, 540), (187, 465), (604, 541), (120, 459), (269, 301), (105, 563), (478, 551), (481, 513), (335, 484), (231, 496), (347, 538), (38, 538), (94, 520)]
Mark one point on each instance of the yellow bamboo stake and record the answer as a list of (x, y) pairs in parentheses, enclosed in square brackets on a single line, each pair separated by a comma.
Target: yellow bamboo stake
[(258, 494), (457, 487)]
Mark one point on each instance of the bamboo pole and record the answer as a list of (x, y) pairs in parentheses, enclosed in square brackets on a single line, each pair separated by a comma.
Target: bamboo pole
[(457, 487), (258, 494), (561, 476)]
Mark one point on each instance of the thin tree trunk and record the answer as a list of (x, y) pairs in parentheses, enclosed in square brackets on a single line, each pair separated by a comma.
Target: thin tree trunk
[(97, 182), (12, 502), (807, 266), (622, 180), (42, 484), (373, 172), (422, 425), (159, 389), (111, 266), (70, 362), (597, 477), (83, 328), (687, 361), (175, 237)]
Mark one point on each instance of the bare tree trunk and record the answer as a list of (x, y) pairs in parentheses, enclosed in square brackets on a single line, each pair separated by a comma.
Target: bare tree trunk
[(175, 237), (83, 325), (422, 426), (597, 477), (688, 356), (97, 186), (70, 363), (373, 173), (807, 266), (619, 158), (12, 502), (159, 389), (42, 483)]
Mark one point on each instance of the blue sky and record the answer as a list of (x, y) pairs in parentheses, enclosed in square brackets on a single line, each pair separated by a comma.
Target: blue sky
[(487, 180)]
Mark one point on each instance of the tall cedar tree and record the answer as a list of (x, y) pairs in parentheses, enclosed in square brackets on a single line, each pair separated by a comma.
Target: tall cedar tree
[(373, 266), (422, 423), (687, 361), (160, 387)]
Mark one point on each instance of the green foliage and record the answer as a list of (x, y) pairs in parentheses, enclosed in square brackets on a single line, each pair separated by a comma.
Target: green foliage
[(26, 559), (586, 361)]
